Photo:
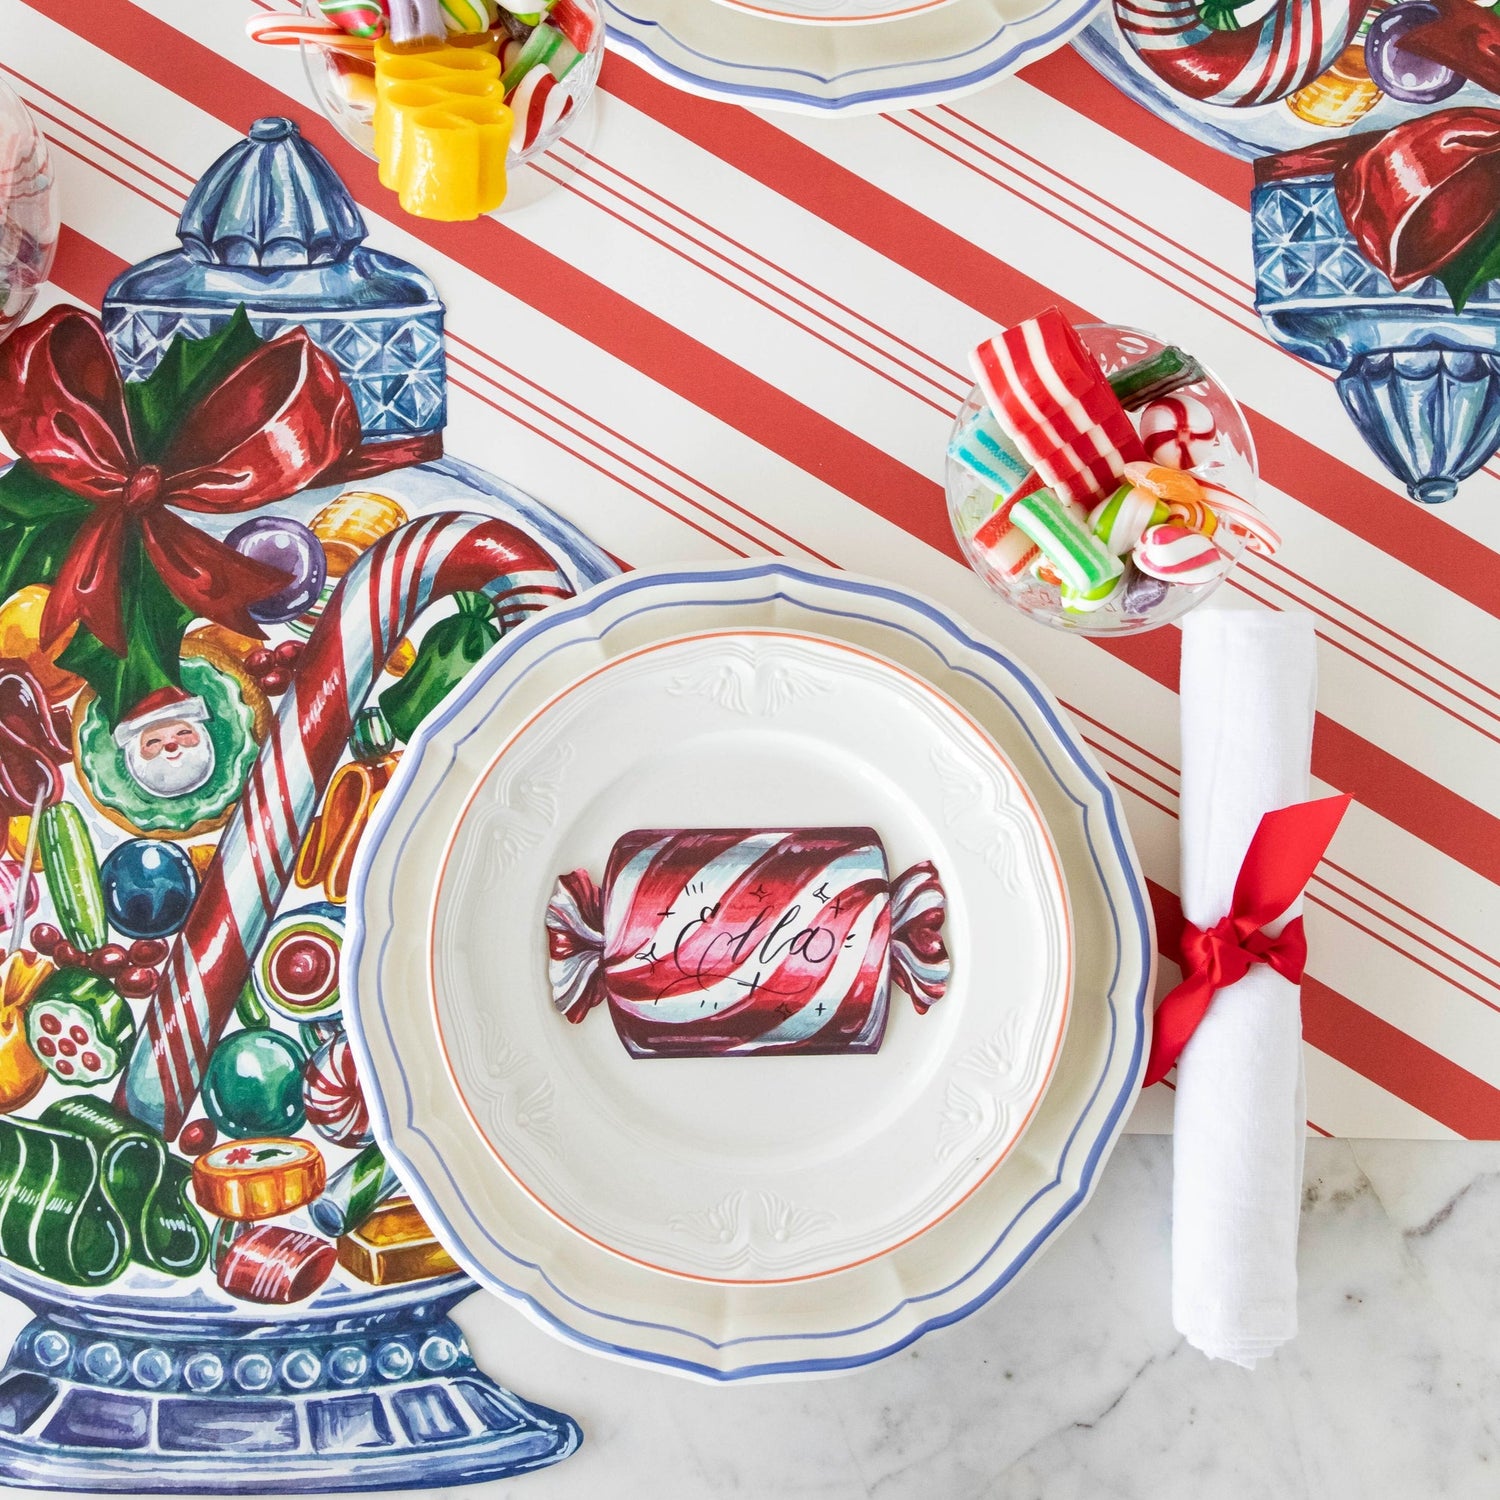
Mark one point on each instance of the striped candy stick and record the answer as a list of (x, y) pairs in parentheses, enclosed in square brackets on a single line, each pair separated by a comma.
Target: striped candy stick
[(377, 603)]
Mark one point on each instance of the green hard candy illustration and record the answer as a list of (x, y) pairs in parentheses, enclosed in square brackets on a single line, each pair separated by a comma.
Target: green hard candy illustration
[(253, 1085), (80, 1027)]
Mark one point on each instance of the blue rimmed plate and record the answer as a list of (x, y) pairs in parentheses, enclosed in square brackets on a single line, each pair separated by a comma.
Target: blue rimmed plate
[(736, 1330), (900, 63)]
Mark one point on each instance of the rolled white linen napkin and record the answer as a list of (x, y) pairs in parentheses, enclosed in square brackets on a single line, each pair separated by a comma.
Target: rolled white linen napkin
[(1248, 687)]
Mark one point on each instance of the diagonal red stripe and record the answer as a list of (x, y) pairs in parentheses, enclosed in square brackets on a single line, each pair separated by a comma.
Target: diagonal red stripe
[(928, 249), (606, 318), (1066, 77), (84, 269), (1332, 1023), (1423, 806), (1374, 1048), (1384, 783), (1388, 786)]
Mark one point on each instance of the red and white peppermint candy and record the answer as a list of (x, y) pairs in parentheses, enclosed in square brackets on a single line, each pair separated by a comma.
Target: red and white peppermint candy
[(1267, 52), (1243, 517), (1177, 554), (538, 104), (332, 1097), (1179, 431)]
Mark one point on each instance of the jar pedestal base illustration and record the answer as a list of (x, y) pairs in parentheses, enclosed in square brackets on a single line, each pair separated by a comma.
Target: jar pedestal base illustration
[(1421, 382), (368, 1390)]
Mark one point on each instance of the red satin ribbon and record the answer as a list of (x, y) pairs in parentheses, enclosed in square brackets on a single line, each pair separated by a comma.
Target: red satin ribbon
[(1279, 862), (270, 428), (1415, 196), (1462, 36)]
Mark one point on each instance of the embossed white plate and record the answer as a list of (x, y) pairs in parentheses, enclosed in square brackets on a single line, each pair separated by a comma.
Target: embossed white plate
[(761, 1168), (834, 12), (904, 62), (722, 1330)]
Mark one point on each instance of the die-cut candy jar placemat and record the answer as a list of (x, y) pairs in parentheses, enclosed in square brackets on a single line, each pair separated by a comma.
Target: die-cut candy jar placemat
[(230, 509)]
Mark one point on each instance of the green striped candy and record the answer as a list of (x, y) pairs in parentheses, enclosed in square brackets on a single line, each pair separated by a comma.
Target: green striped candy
[(468, 17), (1078, 557), (357, 17)]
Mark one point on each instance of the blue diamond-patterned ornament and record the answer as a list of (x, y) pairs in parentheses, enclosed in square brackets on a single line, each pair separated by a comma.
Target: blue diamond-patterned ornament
[(271, 228)]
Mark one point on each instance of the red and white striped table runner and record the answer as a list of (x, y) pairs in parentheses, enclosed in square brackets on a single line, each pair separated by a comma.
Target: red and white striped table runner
[(726, 334)]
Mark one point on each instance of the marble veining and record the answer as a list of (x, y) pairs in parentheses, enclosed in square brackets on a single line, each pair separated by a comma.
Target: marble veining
[(1075, 1386)]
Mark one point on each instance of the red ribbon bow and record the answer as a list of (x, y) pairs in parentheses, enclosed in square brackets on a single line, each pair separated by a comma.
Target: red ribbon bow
[(1420, 195), (1279, 862), (271, 427)]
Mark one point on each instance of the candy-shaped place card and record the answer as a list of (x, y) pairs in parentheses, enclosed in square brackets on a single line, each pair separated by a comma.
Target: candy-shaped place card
[(735, 941)]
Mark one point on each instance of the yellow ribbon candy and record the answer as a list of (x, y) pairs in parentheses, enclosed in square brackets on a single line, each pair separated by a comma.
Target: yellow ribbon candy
[(442, 129)]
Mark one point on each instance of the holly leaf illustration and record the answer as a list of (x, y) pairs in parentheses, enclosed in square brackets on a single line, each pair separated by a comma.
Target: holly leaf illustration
[(188, 371), (1479, 263), (154, 626), (38, 520)]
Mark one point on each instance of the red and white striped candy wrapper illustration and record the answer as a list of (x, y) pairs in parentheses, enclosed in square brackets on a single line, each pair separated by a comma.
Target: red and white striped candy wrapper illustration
[(1271, 49), (735, 941), (376, 604), (273, 1264), (331, 1095)]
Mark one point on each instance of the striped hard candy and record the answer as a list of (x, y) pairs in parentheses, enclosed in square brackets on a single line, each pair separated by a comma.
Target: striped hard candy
[(1179, 431), (538, 103), (358, 17), (1188, 46), (469, 17), (1177, 554), (1243, 517), (332, 1097)]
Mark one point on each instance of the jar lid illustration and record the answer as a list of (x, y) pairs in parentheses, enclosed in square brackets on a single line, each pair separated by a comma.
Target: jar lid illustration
[(270, 227)]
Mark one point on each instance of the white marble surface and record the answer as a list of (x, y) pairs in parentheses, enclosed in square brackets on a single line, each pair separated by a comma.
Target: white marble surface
[(1074, 1386)]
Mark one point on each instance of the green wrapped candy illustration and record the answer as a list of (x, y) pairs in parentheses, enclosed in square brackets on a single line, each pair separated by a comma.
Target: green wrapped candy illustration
[(447, 652), (80, 1028), (84, 1190)]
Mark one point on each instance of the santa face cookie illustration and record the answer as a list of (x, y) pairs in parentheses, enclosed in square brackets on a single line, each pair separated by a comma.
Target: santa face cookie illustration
[(173, 766), (167, 752)]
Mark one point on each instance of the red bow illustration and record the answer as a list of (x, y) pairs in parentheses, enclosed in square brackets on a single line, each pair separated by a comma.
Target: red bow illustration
[(1416, 196), (1279, 862), (267, 430)]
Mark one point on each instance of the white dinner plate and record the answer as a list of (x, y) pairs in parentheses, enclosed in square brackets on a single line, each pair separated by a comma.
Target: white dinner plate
[(768, 1168), (834, 12), (905, 61), (737, 1329)]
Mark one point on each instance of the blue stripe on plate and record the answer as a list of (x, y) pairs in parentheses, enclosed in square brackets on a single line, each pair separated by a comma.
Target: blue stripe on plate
[(962, 71), (1135, 928)]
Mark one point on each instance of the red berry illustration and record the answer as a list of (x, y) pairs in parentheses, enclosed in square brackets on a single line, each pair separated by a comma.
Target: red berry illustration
[(137, 983)]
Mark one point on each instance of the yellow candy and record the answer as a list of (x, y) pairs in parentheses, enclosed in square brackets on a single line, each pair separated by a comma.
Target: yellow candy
[(442, 129), (21, 1072), (352, 523), (1194, 513), (468, 17), (1343, 95)]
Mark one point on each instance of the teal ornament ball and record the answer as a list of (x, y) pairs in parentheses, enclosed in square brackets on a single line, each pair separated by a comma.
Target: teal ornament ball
[(253, 1085)]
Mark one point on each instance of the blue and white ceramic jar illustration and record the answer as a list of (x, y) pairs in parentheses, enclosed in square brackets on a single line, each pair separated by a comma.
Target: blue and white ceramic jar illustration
[(245, 1301)]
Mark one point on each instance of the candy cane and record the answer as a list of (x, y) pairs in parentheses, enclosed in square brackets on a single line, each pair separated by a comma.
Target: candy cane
[(375, 606)]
